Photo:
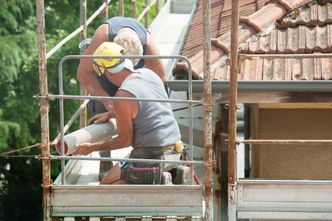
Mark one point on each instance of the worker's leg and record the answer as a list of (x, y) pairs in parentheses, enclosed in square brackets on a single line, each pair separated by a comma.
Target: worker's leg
[(113, 176)]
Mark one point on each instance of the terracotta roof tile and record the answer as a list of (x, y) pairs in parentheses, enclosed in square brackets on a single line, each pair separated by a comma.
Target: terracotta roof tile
[(308, 16), (290, 5), (257, 17), (266, 16), (307, 30), (301, 39), (220, 22), (281, 69)]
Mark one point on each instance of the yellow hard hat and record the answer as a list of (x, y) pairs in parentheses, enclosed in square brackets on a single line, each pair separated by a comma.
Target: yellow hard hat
[(107, 49), (179, 146)]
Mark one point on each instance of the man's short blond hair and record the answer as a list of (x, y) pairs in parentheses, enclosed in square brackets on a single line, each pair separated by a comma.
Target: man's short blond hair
[(130, 41)]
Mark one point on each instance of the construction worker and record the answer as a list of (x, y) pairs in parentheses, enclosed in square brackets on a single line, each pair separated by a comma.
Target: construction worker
[(149, 127), (136, 39)]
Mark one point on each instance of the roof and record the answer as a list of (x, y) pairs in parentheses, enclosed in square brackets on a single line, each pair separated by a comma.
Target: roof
[(278, 27)]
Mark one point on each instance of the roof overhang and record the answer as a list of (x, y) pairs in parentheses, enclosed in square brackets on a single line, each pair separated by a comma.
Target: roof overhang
[(319, 91), (219, 86)]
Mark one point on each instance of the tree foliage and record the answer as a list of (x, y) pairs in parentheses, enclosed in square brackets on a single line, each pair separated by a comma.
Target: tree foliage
[(20, 178)]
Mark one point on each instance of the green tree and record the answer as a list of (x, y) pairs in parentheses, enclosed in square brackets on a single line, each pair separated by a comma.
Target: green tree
[(20, 177)]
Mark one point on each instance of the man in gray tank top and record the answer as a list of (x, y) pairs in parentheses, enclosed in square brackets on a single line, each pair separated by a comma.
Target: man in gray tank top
[(149, 127), (137, 40)]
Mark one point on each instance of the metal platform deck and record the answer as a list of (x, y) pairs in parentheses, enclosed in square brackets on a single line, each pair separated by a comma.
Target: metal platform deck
[(285, 199)]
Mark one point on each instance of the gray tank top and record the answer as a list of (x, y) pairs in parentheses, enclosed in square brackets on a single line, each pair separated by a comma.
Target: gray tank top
[(154, 125)]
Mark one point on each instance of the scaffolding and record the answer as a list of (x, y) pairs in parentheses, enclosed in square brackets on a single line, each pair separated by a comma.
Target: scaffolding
[(245, 198), (62, 201)]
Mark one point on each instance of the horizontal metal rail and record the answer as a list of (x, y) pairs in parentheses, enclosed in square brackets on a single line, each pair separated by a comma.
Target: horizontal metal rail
[(263, 141), (286, 55), (81, 97), (182, 162)]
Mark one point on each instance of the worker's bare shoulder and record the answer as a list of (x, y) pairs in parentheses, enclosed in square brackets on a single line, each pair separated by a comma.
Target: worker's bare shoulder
[(124, 93), (100, 36), (102, 32)]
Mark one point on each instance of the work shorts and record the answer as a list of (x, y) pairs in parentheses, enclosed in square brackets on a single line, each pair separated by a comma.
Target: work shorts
[(144, 172)]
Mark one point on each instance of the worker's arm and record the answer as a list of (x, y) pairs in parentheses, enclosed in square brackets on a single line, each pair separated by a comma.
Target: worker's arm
[(155, 65), (125, 112), (85, 72)]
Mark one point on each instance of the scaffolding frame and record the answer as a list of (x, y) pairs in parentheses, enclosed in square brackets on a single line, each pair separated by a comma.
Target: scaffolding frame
[(44, 98), (233, 93), (238, 205)]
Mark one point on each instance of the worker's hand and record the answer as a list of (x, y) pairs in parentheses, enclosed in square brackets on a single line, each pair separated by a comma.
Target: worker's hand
[(101, 118), (83, 149)]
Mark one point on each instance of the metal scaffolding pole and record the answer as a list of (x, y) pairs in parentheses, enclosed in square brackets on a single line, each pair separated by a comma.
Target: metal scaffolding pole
[(207, 112), (43, 90), (83, 16), (106, 10), (232, 158)]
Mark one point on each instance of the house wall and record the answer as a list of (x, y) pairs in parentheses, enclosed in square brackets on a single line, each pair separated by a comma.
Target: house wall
[(291, 161)]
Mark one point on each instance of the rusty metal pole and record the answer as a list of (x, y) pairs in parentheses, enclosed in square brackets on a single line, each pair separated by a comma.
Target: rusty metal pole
[(232, 158), (43, 109), (157, 7), (208, 216), (106, 10), (82, 37), (121, 8), (146, 17), (133, 8)]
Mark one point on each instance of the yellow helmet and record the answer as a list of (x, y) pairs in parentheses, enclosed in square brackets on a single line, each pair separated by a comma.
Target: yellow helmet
[(107, 49)]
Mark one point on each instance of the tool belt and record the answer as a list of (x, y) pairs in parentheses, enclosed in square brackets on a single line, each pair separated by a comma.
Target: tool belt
[(146, 172), (142, 173)]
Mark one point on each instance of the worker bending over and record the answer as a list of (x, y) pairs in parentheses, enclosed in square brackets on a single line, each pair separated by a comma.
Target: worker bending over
[(149, 127), (136, 40)]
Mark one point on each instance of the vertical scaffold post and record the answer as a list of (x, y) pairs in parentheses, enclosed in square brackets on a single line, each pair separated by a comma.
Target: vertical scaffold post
[(82, 37), (133, 8), (44, 122), (208, 216), (232, 158), (157, 7), (146, 16), (106, 10), (121, 8)]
